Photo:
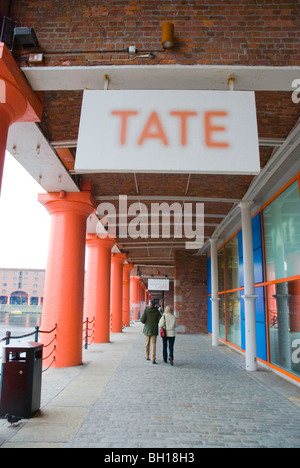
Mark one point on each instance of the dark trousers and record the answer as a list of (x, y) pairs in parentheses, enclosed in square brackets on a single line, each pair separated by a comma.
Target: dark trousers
[(170, 340)]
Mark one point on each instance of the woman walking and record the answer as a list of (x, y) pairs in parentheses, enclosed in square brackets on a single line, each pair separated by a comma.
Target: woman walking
[(169, 323)]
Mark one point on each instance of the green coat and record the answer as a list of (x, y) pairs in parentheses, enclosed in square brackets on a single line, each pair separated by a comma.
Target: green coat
[(150, 318)]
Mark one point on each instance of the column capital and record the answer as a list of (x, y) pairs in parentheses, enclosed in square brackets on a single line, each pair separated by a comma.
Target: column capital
[(249, 297), (118, 257), (213, 241), (80, 202), (244, 204), (127, 267), (95, 240), (215, 299)]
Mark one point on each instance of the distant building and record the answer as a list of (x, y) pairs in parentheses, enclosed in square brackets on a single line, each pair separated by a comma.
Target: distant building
[(21, 287)]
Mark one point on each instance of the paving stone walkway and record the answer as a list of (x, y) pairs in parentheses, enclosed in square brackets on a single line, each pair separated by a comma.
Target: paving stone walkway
[(206, 399)]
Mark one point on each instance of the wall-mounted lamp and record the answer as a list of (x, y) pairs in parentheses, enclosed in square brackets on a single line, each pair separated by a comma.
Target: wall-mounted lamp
[(26, 37), (167, 40)]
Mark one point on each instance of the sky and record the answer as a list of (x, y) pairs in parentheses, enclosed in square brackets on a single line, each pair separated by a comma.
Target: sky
[(25, 223)]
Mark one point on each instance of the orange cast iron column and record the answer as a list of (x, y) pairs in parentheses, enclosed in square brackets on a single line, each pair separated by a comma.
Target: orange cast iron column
[(18, 102), (126, 293), (64, 281), (141, 298), (116, 286), (134, 296), (6, 119), (97, 290)]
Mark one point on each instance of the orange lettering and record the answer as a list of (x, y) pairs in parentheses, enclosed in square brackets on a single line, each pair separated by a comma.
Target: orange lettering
[(209, 128), (183, 116), (153, 129), (124, 114)]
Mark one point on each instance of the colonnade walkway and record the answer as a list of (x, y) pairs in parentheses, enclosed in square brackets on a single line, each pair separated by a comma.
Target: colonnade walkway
[(117, 399)]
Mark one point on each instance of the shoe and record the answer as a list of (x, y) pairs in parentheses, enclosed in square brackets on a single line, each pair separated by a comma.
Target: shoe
[(171, 362), (147, 359), (154, 362)]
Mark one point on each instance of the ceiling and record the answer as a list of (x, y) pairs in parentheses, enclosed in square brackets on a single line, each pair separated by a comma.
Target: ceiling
[(50, 152)]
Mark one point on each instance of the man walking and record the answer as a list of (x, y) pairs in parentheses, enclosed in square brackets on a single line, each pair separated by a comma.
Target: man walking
[(150, 319)]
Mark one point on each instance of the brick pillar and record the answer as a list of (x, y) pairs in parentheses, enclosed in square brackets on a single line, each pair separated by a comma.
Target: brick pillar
[(190, 292)]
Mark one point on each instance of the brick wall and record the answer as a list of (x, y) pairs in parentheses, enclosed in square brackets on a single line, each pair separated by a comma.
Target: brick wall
[(169, 295), (157, 272), (91, 33), (214, 32), (190, 293), (245, 32)]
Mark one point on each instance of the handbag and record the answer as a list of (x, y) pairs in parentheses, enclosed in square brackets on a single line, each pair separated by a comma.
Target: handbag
[(163, 331)]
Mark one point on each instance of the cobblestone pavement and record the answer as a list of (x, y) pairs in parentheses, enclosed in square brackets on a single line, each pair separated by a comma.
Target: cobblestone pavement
[(206, 399)]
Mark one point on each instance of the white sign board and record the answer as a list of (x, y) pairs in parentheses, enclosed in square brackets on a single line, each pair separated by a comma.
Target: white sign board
[(158, 284), (168, 131)]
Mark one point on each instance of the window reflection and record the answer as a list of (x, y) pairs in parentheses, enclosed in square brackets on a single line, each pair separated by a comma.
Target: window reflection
[(233, 318), (221, 270), (282, 235), (284, 324), (232, 264), (222, 317)]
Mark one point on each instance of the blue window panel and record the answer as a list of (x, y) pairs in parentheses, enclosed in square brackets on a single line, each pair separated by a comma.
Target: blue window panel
[(242, 309), (240, 243), (241, 272), (260, 310), (261, 337), (243, 343), (258, 268), (208, 266), (256, 235), (256, 231), (209, 285), (261, 341), (209, 276), (209, 315), (258, 265)]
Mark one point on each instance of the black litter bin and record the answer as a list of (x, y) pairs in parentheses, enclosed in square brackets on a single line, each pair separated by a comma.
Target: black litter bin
[(21, 379)]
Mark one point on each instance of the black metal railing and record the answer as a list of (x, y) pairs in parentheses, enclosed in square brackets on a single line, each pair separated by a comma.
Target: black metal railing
[(88, 338), (8, 337)]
